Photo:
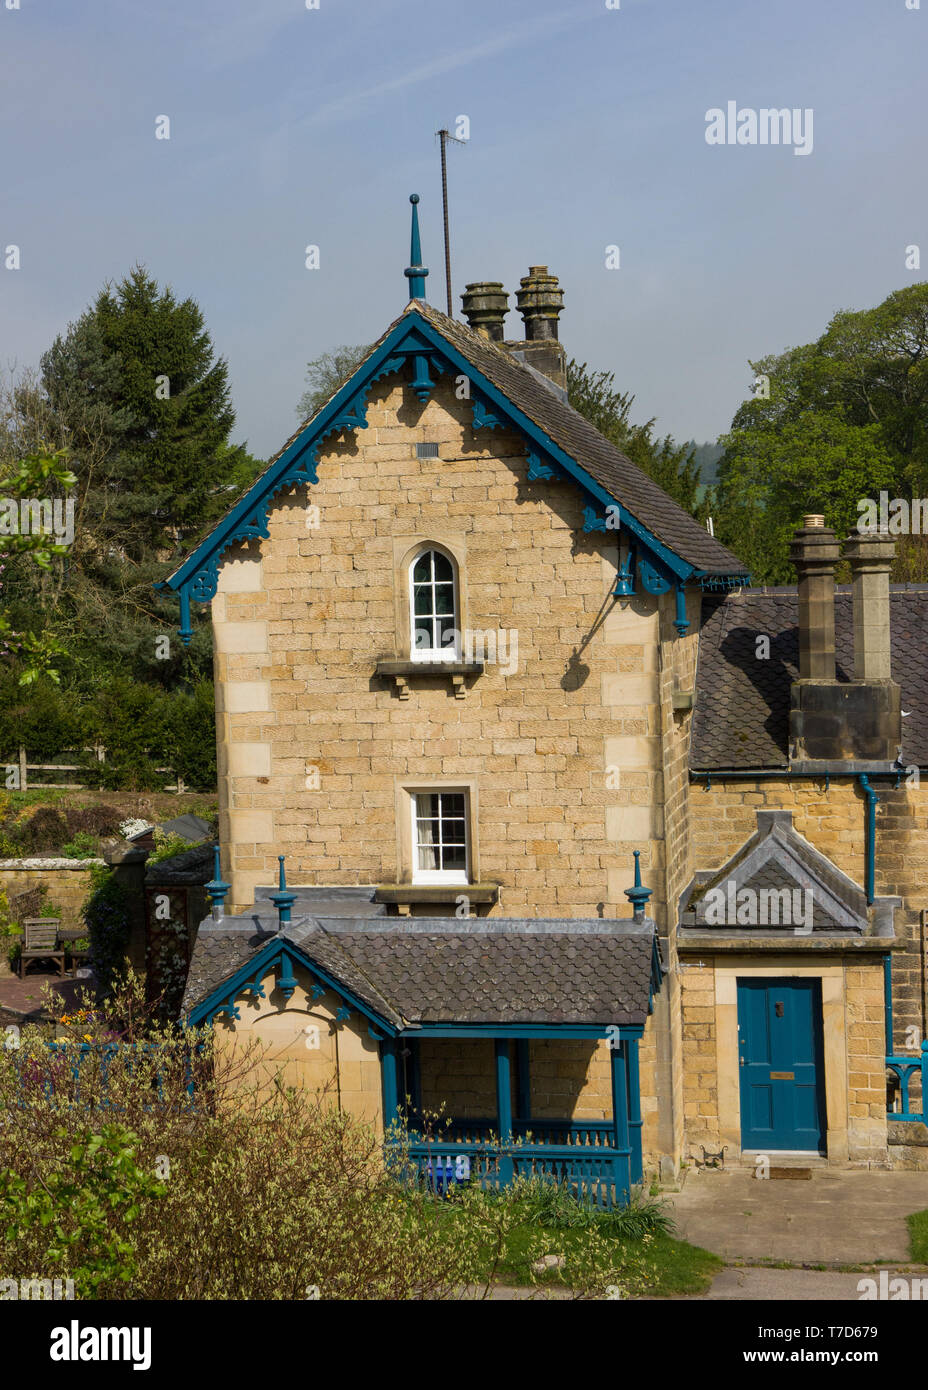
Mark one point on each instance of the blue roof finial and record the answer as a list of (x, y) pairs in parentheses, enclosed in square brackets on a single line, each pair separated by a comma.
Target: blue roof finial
[(217, 888), (283, 899), (415, 272), (637, 895)]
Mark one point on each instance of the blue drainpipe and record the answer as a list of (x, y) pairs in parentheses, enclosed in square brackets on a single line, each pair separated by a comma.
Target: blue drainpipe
[(870, 842)]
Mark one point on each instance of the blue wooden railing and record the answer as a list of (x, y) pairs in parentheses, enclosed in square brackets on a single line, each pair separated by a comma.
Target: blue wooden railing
[(905, 1068), (580, 1155), (78, 1060)]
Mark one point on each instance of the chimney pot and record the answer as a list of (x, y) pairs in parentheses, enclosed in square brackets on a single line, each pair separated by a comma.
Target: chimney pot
[(871, 557), (485, 305), (814, 551), (540, 300)]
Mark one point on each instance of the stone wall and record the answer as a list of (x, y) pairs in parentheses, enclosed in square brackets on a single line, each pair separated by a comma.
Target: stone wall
[(307, 1048), (855, 1085), (67, 882), (834, 821), (300, 625)]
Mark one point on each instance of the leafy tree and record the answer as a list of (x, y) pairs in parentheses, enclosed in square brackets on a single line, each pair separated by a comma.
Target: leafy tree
[(672, 466), (325, 374), (839, 420), (135, 396)]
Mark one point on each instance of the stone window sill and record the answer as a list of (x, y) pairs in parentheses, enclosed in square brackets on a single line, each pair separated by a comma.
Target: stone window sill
[(404, 894), (402, 673)]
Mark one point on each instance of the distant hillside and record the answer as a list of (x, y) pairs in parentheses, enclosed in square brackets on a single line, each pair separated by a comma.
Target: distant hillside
[(707, 457)]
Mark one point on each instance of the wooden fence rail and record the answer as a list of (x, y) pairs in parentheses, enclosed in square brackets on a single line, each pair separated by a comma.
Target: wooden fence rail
[(17, 772)]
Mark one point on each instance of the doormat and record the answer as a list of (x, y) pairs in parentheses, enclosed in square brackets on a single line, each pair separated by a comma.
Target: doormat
[(792, 1173)]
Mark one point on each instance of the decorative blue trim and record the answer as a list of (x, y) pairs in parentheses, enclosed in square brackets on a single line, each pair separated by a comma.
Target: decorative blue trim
[(415, 272), (625, 578), (282, 899), (592, 521), (483, 417), (651, 578), (413, 337), (217, 888), (637, 895), (222, 998), (286, 977), (537, 470), (721, 582), (520, 1030), (681, 621)]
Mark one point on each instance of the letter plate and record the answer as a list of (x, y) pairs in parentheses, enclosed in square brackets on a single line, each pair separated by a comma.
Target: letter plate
[(782, 1076)]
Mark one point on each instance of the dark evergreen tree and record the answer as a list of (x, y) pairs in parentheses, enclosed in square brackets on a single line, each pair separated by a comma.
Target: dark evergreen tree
[(671, 465)]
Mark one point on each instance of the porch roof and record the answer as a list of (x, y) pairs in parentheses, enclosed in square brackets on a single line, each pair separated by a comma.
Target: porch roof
[(415, 972)]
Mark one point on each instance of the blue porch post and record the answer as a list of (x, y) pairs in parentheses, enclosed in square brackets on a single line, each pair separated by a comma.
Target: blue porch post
[(621, 1166), (523, 1080), (634, 1110), (504, 1109), (390, 1091)]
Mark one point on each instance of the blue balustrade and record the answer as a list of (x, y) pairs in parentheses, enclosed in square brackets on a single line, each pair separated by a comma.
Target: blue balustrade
[(905, 1068)]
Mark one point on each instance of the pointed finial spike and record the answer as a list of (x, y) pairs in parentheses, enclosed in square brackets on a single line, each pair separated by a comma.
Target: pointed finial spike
[(415, 272)]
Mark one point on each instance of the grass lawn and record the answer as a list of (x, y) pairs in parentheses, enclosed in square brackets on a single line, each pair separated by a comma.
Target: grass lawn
[(669, 1266), (918, 1236), (652, 1262)]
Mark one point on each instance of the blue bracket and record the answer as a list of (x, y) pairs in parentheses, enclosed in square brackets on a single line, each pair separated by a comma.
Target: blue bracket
[(483, 417), (538, 471), (681, 622), (651, 580), (286, 980), (592, 522)]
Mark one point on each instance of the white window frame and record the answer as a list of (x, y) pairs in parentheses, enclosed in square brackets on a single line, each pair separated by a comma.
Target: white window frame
[(452, 653), (439, 876)]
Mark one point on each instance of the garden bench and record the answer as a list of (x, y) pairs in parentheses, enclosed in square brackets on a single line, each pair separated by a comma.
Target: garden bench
[(40, 942)]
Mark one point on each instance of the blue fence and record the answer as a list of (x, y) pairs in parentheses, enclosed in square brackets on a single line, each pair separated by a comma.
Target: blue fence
[(87, 1066), (905, 1068), (580, 1156)]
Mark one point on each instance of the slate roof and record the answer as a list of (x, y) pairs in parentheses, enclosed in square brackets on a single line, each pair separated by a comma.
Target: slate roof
[(741, 720), (622, 478), (777, 857), (437, 970)]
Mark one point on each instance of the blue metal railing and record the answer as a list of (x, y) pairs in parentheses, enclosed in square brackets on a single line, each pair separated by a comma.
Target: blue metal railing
[(905, 1068), (579, 1155), (79, 1059)]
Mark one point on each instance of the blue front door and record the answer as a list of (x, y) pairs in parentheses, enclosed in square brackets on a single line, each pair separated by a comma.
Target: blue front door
[(781, 1066)]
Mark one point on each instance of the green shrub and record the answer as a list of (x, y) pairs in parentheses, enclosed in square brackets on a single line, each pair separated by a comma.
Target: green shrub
[(82, 846), (107, 918), (44, 830), (77, 1217)]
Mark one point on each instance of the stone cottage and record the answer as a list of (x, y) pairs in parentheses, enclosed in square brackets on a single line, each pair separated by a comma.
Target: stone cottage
[(495, 702)]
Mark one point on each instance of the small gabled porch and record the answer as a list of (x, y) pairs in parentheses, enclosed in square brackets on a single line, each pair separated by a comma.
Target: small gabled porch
[(598, 1160)]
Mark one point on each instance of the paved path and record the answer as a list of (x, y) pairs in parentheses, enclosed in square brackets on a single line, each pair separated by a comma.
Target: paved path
[(808, 1285), (23, 998), (836, 1218)]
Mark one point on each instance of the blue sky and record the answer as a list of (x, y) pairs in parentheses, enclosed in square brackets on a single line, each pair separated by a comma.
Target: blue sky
[(587, 128)]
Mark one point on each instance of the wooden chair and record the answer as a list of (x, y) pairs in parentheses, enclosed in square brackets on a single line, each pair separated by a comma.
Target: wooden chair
[(40, 942)]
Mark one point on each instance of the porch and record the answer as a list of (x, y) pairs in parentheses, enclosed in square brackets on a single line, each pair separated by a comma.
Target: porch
[(597, 1160)]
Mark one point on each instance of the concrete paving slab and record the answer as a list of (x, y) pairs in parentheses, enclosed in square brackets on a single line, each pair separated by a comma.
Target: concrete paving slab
[(839, 1217), (797, 1285)]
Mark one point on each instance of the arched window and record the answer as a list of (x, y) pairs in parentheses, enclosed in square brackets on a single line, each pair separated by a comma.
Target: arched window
[(433, 608)]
